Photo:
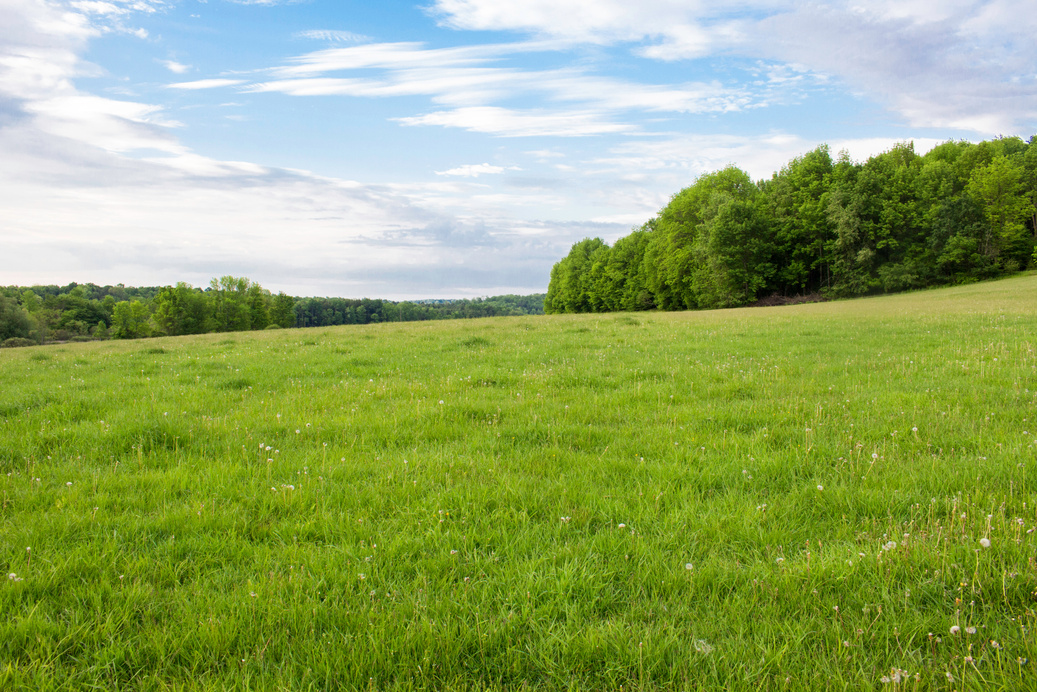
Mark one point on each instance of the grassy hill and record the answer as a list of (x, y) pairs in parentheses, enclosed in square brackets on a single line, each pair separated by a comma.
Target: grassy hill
[(815, 496)]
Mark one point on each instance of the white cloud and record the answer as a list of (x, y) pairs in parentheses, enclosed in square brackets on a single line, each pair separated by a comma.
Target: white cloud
[(504, 122), (206, 84), (176, 67), (71, 194), (956, 64), (477, 169), (333, 35)]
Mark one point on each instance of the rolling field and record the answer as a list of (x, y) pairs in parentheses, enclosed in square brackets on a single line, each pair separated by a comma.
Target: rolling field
[(828, 496)]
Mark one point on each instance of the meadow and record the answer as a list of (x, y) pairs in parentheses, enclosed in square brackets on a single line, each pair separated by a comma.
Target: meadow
[(826, 496)]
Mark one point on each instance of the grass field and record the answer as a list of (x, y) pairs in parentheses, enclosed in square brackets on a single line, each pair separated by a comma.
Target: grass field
[(826, 496)]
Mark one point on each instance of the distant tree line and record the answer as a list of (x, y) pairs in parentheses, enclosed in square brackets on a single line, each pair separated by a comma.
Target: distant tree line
[(961, 213), (84, 312)]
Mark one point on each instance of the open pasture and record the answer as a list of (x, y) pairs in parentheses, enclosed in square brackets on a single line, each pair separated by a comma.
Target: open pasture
[(824, 496)]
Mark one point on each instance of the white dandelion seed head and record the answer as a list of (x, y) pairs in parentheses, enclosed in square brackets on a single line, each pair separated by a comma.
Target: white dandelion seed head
[(955, 629), (985, 542)]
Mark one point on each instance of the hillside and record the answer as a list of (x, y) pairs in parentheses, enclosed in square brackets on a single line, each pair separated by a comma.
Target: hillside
[(811, 496)]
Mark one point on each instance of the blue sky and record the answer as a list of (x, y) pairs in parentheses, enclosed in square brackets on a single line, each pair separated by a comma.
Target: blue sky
[(446, 148)]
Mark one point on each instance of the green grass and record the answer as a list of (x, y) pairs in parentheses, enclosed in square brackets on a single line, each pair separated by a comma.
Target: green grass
[(774, 498)]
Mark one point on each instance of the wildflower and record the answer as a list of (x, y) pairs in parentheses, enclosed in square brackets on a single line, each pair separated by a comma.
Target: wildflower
[(689, 566), (14, 577), (950, 678), (993, 643), (985, 542), (622, 526), (780, 560), (566, 520), (820, 487), (970, 630), (955, 629)]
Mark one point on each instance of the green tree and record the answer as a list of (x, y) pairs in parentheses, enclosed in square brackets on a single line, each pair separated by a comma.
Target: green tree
[(15, 321), (130, 320), (797, 199), (258, 306), (282, 312), (229, 299), (181, 310), (570, 290), (734, 251), (1000, 189), (671, 258)]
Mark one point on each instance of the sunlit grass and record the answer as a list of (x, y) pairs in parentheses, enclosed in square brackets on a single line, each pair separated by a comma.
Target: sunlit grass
[(779, 498)]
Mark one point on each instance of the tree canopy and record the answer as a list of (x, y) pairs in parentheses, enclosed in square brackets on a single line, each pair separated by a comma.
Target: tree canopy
[(833, 228)]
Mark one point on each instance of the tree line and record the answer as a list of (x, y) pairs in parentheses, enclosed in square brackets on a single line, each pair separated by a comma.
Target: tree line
[(84, 312), (818, 227)]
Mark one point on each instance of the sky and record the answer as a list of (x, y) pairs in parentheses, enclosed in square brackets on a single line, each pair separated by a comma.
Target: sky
[(447, 148)]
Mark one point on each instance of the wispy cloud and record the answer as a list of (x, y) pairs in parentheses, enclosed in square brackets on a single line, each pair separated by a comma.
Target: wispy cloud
[(504, 122), (333, 36), (215, 83), (76, 191), (956, 64), (176, 67), (474, 170), (473, 81)]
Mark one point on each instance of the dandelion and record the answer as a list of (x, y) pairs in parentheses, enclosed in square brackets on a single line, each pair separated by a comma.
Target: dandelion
[(890, 546), (985, 542), (440, 401), (453, 552), (69, 484), (566, 520), (689, 566), (13, 577), (970, 630), (874, 455), (622, 526), (820, 487), (950, 678), (955, 629), (780, 560)]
